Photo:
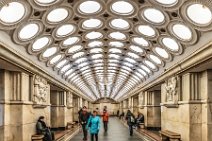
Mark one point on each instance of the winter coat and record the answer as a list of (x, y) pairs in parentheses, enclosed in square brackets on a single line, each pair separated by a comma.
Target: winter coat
[(83, 118), (93, 124), (130, 119), (105, 116)]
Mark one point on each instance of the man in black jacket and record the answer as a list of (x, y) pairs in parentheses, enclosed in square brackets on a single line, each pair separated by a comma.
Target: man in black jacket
[(43, 129), (83, 119)]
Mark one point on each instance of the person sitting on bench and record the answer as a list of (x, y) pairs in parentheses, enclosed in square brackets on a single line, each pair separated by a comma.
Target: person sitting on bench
[(42, 129), (139, 119)]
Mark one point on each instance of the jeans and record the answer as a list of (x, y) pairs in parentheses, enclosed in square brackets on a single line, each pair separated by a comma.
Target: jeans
[(92, 137), (85, 132), (131, 129), (105, 125)]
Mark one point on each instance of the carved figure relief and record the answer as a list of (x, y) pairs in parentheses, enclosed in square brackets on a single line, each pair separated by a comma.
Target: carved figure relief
[(171, 90), (41, 90), (69, 100), (195, 114)]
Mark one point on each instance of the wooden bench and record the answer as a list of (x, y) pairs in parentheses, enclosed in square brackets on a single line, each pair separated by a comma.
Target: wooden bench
[(167, 135), (141, 125), (37, 137), (70, 125)]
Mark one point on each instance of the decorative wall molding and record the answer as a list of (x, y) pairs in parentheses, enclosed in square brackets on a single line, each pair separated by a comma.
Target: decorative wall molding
[(69, 100), (41, 91)]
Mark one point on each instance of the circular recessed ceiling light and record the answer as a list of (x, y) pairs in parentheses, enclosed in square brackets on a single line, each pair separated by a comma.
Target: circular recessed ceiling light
[(70, 41), (65, 30), (199, 14), (136, 49), (49, 52), (140, 41), (65, 68), (57, 15), (93, 35), (116, 44), (79, 54), (115, 50), (181, 31), (154, 15), (150, 64), (117, 36), (120, 24), (146, 68), (9, 14), (114, 56), (167, 2), (155, 59), (74, 48), (61, 63), (55, 59), (146, 30), (92, 24), (89, 7), (122, 8), (171, 44), (96, 56), (40, 43), (133, 55), (29, 31), (95, 44), (96, 50), (130, 60), (162, 52), (45, 2)]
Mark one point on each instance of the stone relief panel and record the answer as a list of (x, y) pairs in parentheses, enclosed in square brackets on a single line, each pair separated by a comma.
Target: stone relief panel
[(172, 90), (41, 91), (69, 100)]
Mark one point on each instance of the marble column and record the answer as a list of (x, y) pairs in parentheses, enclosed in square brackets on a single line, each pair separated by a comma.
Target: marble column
[(149, 106), (23, 98), (69, 112), (58, 109), (186, 102)]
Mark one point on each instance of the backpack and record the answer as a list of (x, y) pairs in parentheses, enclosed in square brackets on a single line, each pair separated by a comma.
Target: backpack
[(132, 119)]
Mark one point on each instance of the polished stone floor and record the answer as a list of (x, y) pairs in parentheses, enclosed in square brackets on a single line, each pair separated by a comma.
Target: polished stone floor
[(117, 132)]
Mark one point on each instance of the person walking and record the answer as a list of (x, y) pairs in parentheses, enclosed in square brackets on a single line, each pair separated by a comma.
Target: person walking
[(130, 121), (94, 126), (83, 119), (105, 118)]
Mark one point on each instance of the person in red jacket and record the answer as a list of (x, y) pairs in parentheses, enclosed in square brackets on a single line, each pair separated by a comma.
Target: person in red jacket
[(105, 118)]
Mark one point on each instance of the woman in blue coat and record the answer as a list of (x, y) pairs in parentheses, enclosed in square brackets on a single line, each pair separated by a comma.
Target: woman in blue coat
[(94, 125)]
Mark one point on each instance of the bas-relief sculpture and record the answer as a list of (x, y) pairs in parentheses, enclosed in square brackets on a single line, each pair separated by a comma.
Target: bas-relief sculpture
[(69, 100), (41, 90), (171, 89)]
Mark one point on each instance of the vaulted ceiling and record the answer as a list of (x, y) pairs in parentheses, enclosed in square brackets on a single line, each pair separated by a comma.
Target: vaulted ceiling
[(105, 48)]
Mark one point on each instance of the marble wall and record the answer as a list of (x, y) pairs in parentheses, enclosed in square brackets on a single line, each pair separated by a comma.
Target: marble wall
[(23, 99)]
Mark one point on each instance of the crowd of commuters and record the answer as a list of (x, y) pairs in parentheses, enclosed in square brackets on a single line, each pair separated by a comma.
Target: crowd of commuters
[(91, 122)]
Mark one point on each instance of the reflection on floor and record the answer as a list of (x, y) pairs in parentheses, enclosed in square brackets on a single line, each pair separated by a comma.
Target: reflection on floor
[(117, 132)]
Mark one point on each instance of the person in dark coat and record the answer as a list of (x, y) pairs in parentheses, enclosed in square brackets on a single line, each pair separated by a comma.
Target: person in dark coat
[(83, 119), (130, 121), (43, 129)]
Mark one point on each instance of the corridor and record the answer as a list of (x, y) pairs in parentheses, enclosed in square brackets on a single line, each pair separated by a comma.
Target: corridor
[(117, 132)]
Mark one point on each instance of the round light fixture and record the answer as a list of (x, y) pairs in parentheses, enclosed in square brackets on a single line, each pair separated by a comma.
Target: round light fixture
[(28, 31), (171, 44), (119, 24), (57, 15), (9, 14), (40, 43), (74, 48), (55, 59), (199, 14), (64, 30), (140, 41), (162, 52), (49, 52), (122, 8), (182, 32), (146, 30), (136, 49), (92, 24), (154, 15), (70, 41), (89, 7), (93, 35), (117, 36)]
